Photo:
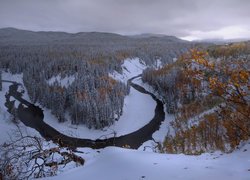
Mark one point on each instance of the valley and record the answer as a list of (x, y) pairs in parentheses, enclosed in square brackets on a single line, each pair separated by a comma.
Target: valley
[(133, 108)]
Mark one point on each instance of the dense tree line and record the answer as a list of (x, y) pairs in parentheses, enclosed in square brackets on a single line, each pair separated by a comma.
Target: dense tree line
[(93, 98), (211, 100), (173, 85)]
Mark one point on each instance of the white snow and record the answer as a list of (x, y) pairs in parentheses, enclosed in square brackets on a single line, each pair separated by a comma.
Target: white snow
[(63, 82), (130, 68), (158, 136), (123, 164), (16, 78), (175, 59), (7, 127), (158, 64)]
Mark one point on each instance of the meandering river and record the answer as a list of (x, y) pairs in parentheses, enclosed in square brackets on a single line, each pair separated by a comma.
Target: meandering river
[(32, 116)]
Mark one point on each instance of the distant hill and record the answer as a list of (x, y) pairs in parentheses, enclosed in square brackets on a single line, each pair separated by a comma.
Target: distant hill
[(15, 36), (148, 35), (221, 41)]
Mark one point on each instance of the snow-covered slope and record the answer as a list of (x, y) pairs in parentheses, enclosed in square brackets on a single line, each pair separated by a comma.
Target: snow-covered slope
[(124, 164), (63, 82), (158, 136), (130, 68)]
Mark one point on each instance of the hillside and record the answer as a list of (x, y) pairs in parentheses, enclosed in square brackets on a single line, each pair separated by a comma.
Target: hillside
[(144, 163), (12, 36), (208, 93), (116, 163)]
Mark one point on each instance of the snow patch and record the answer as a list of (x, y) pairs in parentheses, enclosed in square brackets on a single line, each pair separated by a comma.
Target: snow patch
[(7, 126), (63, 82), (130, 68), (158, 64)]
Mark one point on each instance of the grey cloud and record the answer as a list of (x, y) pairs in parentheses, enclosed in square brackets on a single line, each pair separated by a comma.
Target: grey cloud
[(173, 17)]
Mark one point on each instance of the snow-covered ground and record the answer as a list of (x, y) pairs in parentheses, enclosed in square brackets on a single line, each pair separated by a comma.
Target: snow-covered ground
[(63, 82), (7, 127), (158, 136), (130, 68), (123, 164), (138, 109)]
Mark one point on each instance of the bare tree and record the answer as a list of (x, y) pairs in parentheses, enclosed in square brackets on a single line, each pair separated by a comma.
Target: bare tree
[(26, 156)]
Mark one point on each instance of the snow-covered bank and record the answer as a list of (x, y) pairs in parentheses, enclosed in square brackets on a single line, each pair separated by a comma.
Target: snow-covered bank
[(130, 68), (158, 136), (7, 127), (119, 164)]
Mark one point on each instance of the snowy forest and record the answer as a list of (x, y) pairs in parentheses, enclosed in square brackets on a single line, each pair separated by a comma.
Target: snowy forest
[(208, 93), (89, 96), (197, 95)]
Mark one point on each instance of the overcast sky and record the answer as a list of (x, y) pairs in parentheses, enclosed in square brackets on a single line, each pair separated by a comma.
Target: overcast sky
[(188, 19)]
